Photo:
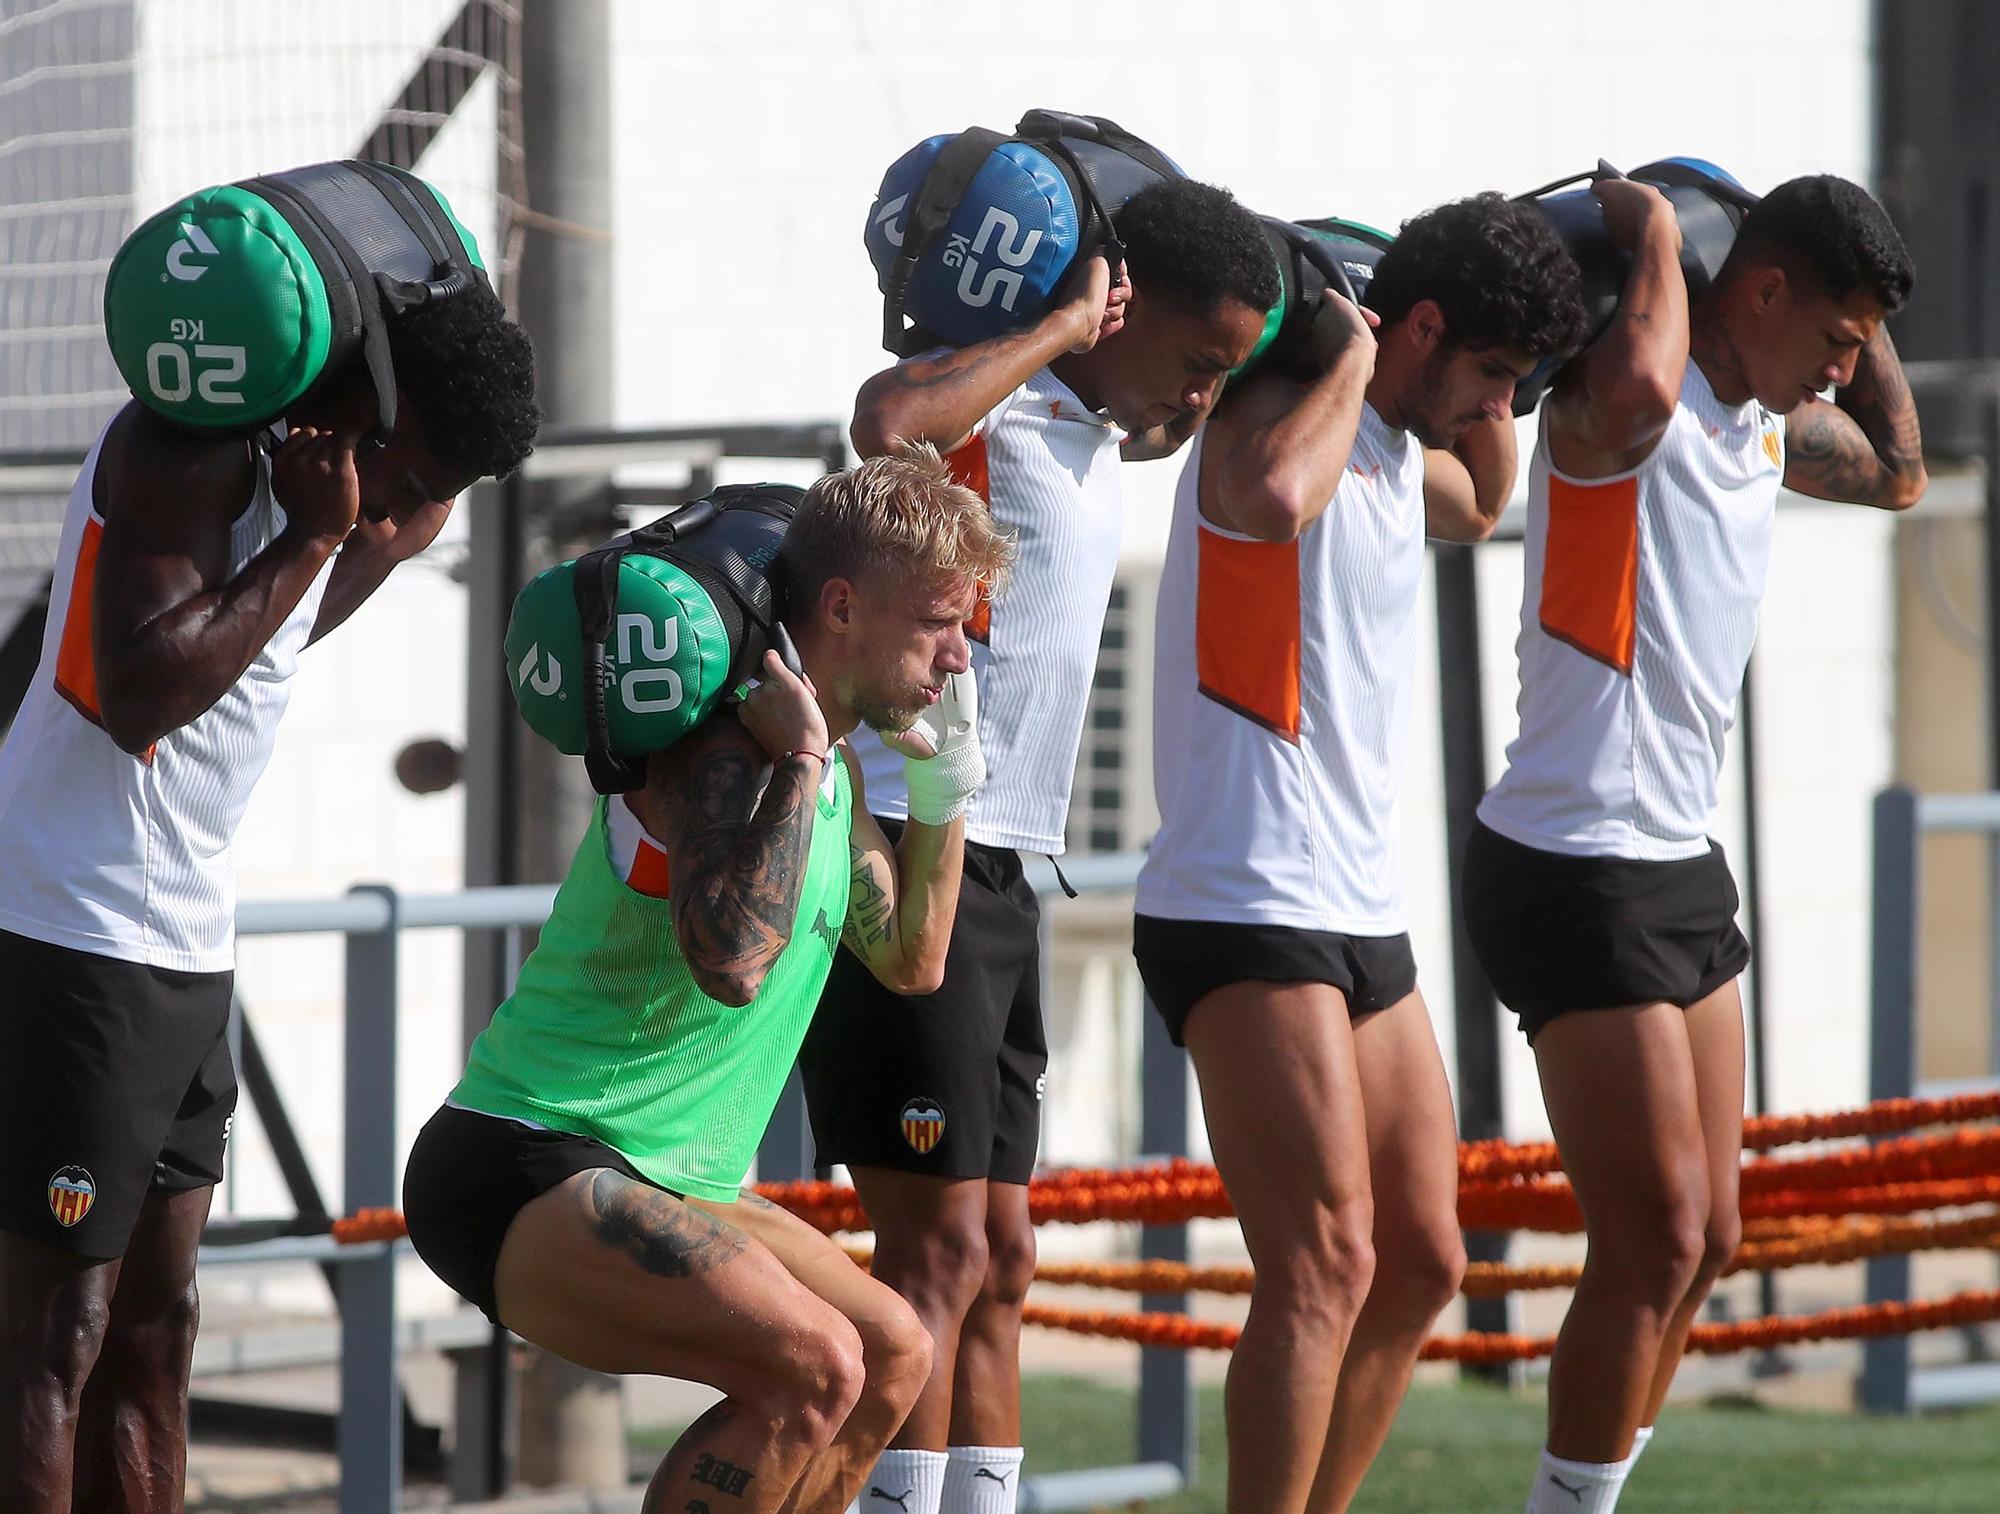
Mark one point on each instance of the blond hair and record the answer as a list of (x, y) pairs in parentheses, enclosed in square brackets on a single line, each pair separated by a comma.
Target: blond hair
[(900, 514)]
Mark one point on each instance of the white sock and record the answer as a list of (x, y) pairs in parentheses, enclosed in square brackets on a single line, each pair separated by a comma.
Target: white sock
[(1576, 1487), (982, 1479), (903, 1482), (1641, 1438)]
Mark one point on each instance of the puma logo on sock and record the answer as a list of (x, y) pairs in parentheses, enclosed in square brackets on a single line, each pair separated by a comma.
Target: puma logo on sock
[(1574, 1492), (999, 1477), (900, 1500)]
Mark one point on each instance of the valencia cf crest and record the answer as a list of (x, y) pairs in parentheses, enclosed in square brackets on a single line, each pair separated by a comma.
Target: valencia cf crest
[(923, 1124), (71, 1193)]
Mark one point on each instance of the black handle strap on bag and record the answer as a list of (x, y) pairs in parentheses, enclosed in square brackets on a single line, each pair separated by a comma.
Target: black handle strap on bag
[(1047, 128), (1603, 170), (1679, 175), (1046, 125), (926, 217), (757, 593), (366, 312), (1321, 254), (1105, 242), (595, 585)]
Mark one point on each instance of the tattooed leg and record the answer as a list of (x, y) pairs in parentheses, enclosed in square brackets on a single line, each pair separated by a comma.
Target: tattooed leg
[(619, 1276), (727, 1462), (896, 1351), (744, 1457), (665, 1236)]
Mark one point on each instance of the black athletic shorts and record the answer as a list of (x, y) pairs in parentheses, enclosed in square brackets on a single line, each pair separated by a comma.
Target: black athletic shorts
[(950, 1083), (1181, 962), (115, 1081), (1557, 934), (470, 1174)]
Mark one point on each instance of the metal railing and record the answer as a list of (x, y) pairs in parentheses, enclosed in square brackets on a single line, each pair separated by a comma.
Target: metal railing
[(369, 1432), (1890, 1383)]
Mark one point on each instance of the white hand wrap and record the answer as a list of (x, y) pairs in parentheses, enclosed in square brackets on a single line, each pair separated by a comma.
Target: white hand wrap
[(942, 786)]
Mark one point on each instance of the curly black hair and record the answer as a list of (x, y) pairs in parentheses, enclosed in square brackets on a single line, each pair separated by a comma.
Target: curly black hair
[(1497, 270), (1196, 245), (1830, 229), (470, 371)]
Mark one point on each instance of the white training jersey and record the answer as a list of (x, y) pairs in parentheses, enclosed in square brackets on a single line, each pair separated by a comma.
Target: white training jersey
[(1638, 614), (1281, 704), (123, 856), (1048, 467)]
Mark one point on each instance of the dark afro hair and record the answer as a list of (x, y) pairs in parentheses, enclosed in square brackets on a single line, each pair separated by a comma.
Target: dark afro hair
[(1195, 245), (470, 371), (1497, 270), (1830, 230)]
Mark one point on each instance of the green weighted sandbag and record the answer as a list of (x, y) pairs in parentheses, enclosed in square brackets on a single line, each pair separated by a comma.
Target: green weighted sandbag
[(621, 652), (226, 309), (1312, 256)]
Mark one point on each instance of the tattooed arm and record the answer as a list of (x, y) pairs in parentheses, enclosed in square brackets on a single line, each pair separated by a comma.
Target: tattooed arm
[(941, 398), (1865, 447), (901, 900), (736, 856)]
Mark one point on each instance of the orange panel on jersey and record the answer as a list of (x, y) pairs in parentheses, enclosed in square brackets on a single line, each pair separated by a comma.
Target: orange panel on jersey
[(1771, 449), (1590, 568), (980, 627), (76, 666), (649, 872), (967, 462), (1246, 629)]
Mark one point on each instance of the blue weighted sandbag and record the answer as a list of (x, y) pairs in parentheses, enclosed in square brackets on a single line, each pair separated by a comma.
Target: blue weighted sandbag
[(972, 233)]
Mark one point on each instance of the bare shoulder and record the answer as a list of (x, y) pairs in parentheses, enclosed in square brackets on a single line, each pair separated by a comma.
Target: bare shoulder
[(1580, 437), (854, 780), (1255, 401), (148, 464)]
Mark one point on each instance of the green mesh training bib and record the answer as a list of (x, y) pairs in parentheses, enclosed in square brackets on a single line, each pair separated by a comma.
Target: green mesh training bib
[(607, 1034)]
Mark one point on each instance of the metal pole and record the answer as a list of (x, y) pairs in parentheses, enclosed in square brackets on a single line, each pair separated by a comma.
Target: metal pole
[(1991, 440), (370, 1435), (1768, 1363), (1166, 1379), (1892, 1060), (572, 1420), (485, 1469), (492, 748), (1753, 899), (1475, 1013), (500, 1394)]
